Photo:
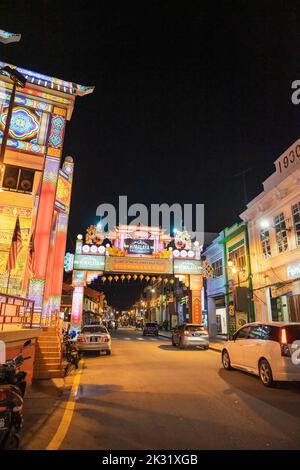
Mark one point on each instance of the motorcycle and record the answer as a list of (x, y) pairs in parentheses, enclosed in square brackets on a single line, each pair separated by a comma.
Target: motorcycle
[(71, 351), (12, 391)]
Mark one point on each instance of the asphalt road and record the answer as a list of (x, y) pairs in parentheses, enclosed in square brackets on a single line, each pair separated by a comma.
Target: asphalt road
[(150, 395)]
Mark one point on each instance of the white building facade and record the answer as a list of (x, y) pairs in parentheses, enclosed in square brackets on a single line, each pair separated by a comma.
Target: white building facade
[(273, 219)]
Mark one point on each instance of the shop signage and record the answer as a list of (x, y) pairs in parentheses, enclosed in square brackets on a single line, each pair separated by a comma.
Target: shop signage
[(77, 305), (89, 262), (241, 319), (138, 265), (187, 266), (196, 306), (293, 270), (139, 247), (279, 290)]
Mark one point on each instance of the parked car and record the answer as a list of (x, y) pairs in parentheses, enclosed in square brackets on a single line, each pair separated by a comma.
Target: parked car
[(190, 334), (94, 338), (265, 349), (150, 329)]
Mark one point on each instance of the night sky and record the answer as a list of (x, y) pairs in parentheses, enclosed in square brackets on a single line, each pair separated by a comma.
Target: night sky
[(188, 95)]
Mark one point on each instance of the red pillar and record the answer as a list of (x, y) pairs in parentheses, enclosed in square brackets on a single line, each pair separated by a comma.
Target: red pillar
[(43, 230)]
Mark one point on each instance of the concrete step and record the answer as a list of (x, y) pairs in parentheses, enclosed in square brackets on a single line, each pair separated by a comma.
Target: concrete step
[(44, 339), (49, 374), (43, 354), (49, 348), (47, 365)]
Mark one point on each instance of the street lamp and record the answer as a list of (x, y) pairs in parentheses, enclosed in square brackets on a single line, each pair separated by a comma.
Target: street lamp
[(18, 81), (235, 269)]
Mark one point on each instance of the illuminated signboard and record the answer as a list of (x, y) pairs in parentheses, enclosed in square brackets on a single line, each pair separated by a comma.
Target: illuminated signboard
[(89, 262), (187, 266), (139, 247), (138, 265), (293, 270), (63, 192), (77, 305)]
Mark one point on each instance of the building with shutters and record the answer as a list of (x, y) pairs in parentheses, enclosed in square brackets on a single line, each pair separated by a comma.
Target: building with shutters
[(273, 219)]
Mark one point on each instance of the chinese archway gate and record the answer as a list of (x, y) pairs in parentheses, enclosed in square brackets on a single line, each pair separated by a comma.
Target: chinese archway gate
[(135, 250)]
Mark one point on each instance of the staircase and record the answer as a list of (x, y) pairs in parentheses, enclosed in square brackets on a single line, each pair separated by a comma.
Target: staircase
[(48, 356)]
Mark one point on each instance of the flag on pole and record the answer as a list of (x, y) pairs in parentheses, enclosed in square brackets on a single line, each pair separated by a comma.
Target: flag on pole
[(15, 247), (7, 37), (30, 257)]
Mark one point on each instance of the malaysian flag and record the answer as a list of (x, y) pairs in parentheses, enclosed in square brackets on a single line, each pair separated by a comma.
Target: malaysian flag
[(30, 257), (15, 247)]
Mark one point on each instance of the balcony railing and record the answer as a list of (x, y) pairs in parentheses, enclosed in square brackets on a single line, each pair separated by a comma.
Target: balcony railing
[(18, 311)]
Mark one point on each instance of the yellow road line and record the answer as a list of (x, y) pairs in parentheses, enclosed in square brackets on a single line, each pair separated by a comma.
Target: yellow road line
[(63, 427)]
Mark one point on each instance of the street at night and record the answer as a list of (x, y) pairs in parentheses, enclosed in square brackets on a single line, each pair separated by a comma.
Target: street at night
[(150, 395), (149, 231)]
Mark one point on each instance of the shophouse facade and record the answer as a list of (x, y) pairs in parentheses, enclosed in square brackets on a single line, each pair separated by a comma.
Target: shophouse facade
[(273, 218)]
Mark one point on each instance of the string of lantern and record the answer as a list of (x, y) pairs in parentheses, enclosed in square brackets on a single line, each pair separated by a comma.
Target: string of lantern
[(134, 277)]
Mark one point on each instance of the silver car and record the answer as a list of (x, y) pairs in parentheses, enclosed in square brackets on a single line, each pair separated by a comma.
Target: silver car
[(190, 334), (94, 338)]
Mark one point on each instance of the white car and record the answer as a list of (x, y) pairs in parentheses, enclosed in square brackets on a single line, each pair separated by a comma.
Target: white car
[(94, 338), (270, 350)]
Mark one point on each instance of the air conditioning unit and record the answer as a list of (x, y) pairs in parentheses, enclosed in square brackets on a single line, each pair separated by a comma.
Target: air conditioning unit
[(26, 178), (18, 179), (11, 177)]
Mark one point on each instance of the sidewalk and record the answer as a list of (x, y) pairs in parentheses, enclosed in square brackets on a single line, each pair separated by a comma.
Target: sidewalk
[(44, 405), (216, 344)]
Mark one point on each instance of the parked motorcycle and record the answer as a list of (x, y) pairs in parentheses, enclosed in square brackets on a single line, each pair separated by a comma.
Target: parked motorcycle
[(71, 351), (12, 391)]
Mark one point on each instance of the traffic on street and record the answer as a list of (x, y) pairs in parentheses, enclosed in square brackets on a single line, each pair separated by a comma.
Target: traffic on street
[(150, 395)]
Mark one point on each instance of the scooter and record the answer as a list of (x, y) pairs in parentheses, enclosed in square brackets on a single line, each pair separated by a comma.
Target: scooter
[(12, 391), (71, 350)]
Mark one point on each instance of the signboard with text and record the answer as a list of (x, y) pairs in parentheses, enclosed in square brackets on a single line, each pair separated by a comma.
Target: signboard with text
[(187, 266), (139, 247), (138, 265), (89, 262)]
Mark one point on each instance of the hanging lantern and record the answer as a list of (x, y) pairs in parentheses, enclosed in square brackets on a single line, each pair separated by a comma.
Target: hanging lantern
[(165, 280), (159, 278), (103, 279), (128, 277), (134, 277), (147, 278), (122, 277), (172, 281), (153, 278), (110, 278), (141, 276), (116, 278)]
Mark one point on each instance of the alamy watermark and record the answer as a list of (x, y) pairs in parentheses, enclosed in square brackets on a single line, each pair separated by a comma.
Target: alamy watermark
[(295, 97), (177, 216)]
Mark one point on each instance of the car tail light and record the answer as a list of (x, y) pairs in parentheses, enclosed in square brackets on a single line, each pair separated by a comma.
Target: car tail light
[(285, 351), (80, 339), (3, 395), (105, 339), (186, 333), (283, 339)]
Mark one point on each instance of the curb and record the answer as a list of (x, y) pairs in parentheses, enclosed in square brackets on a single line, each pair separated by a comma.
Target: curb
[(213, 348)]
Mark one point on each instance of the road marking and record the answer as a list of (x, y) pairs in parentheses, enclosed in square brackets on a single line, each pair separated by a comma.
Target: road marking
[(65, 422), (140, 339)]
